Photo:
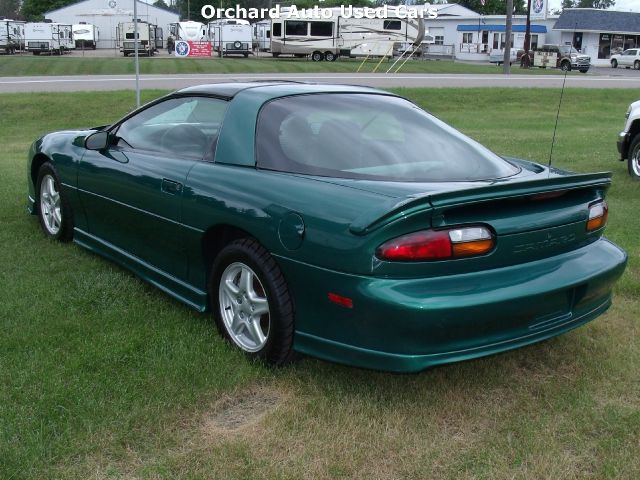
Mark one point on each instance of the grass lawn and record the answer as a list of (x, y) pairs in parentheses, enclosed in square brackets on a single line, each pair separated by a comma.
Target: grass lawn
[(40, 65), (104, 377)]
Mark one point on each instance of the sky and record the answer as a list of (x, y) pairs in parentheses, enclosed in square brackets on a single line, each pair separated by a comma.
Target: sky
[(621, 5)]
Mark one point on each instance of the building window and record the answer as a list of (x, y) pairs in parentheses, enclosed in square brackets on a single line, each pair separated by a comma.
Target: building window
[(392, 25), (534, 42), (439, 39), (467, 37)]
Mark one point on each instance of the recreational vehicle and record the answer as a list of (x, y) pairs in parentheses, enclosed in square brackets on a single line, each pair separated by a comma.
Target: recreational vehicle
[(262, 35), (48, 37), (328, 38), (230, 37), (85, 35), (146, 38), (11, 35), (189, 31)]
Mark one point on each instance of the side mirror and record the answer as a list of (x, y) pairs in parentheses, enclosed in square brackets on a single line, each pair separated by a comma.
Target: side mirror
[(97, 141)]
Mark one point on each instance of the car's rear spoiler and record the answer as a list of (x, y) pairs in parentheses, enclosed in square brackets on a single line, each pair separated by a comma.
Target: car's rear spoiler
[(396, 209)]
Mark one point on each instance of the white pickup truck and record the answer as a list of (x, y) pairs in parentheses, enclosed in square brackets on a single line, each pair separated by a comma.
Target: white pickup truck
[(629, 140)]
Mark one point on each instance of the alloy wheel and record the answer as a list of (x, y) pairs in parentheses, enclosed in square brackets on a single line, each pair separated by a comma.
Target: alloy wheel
[(50, 205)]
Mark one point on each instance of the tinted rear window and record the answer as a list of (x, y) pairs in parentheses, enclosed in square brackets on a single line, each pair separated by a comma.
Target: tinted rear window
[(366, 136)]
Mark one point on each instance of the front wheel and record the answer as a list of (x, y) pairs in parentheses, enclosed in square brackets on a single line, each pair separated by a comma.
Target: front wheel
[(614, 63), (634, 158), (54, 211), (565, 66), (250, 299)]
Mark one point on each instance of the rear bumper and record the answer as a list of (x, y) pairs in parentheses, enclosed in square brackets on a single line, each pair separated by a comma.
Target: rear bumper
[(623, 145), (407, 325)]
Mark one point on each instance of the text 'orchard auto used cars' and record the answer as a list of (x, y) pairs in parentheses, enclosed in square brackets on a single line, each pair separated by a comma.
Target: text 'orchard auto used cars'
[(336, 221)]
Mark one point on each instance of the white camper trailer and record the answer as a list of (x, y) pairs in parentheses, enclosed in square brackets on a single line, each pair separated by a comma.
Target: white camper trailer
[(48, 37), (189, 31), (329, 38), (262, 35), (230, 37), (85, 35), (11, 35), (146, 38)]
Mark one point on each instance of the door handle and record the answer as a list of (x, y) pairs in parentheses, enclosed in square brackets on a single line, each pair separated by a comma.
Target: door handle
[(171, 187)]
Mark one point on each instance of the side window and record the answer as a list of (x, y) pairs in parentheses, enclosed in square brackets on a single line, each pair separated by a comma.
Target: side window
[(321, 29), (277, 29), (295, 27), (184, 127)]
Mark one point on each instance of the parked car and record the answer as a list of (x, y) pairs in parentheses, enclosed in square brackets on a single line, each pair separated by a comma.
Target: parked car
[(312, 218), (564, 57), (629, 140), (497, 56), (628, 58)]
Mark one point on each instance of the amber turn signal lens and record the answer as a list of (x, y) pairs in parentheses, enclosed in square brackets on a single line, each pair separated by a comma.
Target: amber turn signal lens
[(598, 214), (466, 249)]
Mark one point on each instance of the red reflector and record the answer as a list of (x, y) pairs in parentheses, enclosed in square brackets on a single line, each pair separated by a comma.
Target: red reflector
[(340, 300), (425, 245)]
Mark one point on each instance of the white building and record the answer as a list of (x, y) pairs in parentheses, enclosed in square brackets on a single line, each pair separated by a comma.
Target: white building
[(107, 14), (467, 35)]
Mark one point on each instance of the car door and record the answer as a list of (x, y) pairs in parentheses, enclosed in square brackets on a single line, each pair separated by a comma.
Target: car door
[(132, 190), (627, 58)]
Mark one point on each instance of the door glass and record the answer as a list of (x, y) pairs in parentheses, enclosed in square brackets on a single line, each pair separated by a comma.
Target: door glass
[(178, 126)]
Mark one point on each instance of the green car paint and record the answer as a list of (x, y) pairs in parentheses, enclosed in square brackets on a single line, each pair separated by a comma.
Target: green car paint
[(546, 274)]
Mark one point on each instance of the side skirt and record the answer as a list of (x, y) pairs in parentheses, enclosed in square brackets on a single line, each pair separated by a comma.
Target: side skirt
[(195, 298)]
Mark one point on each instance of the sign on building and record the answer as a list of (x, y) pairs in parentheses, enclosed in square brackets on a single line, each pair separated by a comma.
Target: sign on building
[(539, 9)]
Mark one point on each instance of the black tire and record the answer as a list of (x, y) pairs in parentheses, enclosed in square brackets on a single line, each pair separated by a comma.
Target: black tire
[(633, 164), (317, 56), (330, 56), (278, 347), (65, 232), (584, 71), (636, 65), (565, 66), (246, 55), (614, 63), (275, 55)]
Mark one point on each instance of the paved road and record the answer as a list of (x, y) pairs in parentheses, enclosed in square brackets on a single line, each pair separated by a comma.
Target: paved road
[(125, 82)]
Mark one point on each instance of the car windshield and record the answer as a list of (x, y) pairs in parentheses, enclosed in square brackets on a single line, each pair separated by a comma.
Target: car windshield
[(368, 136), (568, 50)]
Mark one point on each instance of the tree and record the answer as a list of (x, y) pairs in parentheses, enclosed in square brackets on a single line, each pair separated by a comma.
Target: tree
[(10, 9), (34, 10), (494, 7), (602, 4)]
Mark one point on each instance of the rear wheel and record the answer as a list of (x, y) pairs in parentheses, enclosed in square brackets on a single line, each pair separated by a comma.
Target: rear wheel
[(634, 158), (275, 55), (54, 211), (329, 56), (251, 302), (317, 56), (614, 63)]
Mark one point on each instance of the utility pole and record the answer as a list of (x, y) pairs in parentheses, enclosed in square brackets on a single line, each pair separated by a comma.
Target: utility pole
[(135, 50), (506, 68), (526, 61)]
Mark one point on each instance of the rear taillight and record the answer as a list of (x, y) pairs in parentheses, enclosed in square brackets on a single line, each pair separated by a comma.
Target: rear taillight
[(598, 213), (438, 245)]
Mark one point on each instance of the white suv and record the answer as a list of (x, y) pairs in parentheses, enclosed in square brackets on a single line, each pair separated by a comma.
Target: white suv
[(629, 140), (628, 58)]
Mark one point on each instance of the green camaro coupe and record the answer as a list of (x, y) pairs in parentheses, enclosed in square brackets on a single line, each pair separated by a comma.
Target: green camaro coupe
[(336, 221)]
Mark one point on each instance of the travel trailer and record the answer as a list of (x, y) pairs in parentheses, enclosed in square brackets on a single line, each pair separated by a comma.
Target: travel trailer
[(230, 37), (11, 35), (189, 31), (85, 35), (262, 35), (146, 38), (48, 37), (329, 38)]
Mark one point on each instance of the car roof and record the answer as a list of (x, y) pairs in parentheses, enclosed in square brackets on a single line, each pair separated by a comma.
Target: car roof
[(277, 88)]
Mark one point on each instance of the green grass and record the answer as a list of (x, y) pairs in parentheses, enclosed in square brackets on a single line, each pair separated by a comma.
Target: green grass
[(40, 65), (103, 376)]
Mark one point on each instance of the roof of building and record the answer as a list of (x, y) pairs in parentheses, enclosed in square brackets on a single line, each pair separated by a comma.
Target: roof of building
[(501, 28), (595, 20)]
